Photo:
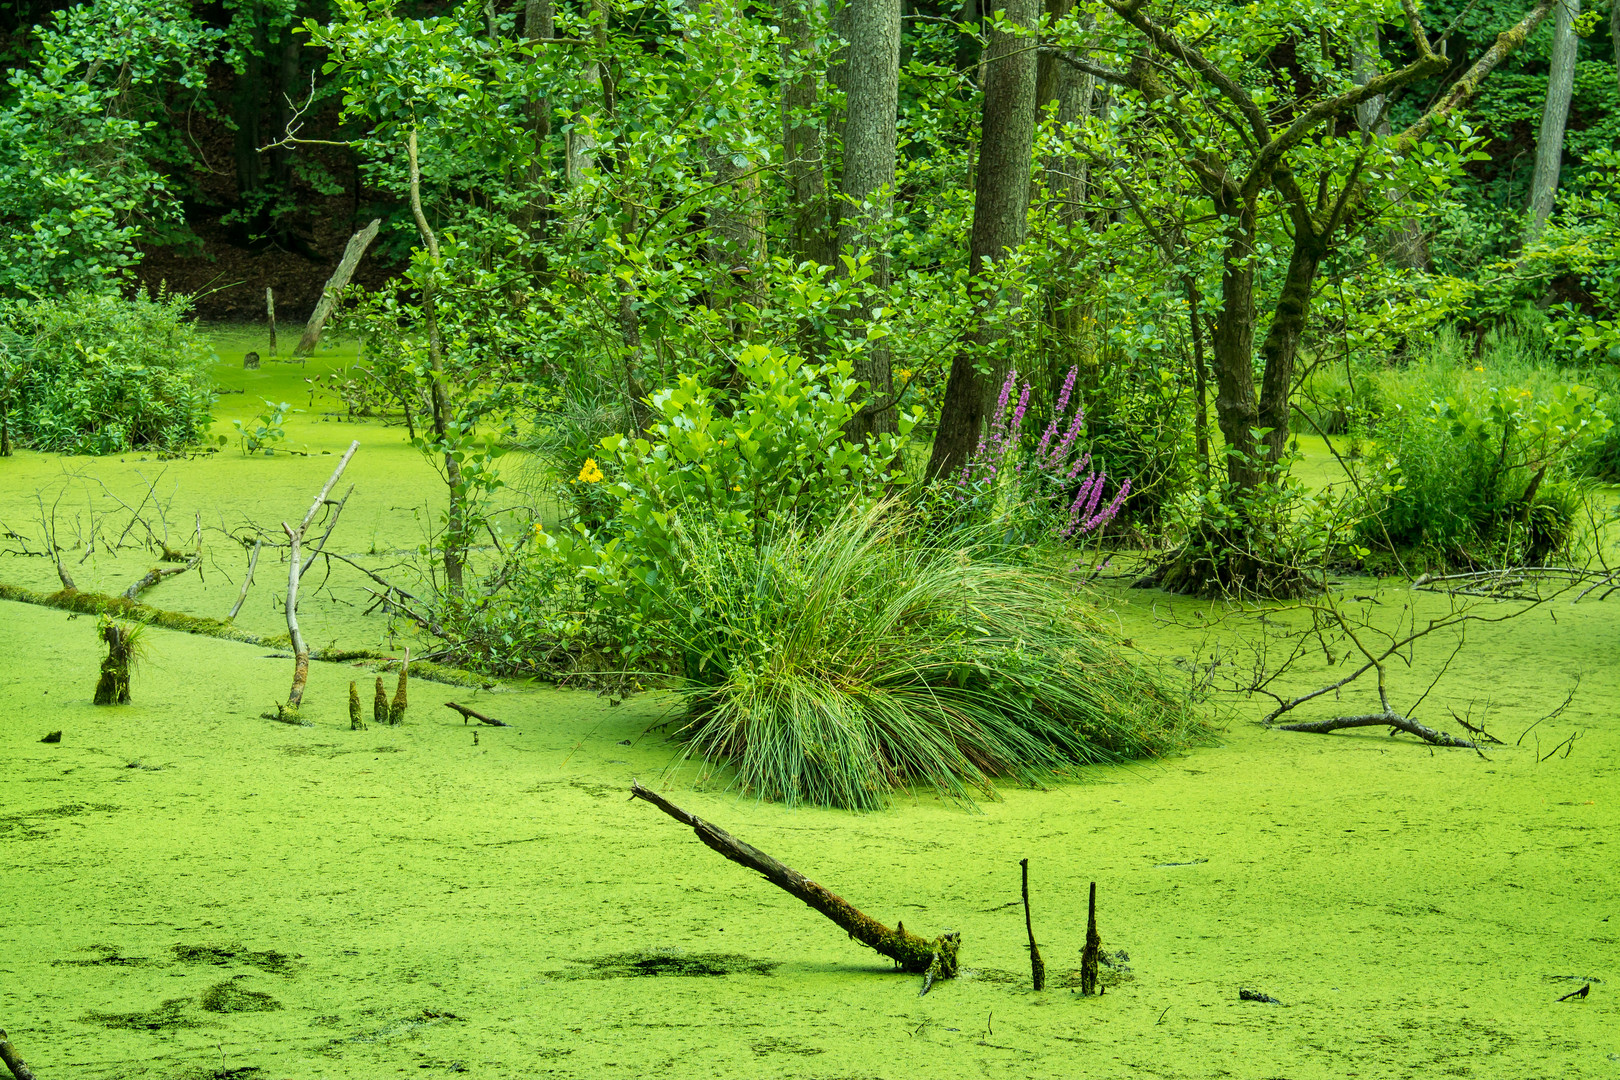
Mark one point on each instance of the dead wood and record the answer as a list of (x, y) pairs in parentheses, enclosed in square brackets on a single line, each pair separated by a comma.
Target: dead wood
[(474, 714), (334, 285), (1093, 950), (295, 570), (931, 959), (1037, 966), (1385, 719), (13, 1060), (157, 574)]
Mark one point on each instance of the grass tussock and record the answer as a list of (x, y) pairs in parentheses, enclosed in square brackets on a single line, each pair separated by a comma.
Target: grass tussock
[(835, 669)]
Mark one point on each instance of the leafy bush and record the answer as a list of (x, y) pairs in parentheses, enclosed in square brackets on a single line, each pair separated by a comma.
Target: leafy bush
[(1487, 473), (735, 465), (96, 374), (833, 668)]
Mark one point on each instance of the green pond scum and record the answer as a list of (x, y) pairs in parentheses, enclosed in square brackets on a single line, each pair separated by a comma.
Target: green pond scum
[(191, 890)]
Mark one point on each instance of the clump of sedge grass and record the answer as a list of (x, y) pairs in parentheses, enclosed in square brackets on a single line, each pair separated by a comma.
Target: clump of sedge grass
[(837, 668)]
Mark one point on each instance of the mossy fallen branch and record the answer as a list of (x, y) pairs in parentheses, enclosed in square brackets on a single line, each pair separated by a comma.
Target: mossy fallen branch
[(1385, 719), (934, 959), (92, 603), (13, 1060)]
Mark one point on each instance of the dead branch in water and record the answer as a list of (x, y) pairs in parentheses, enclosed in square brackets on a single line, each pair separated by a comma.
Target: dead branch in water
[(1389, 719), (295, 570), (932, 959), (474, 714)]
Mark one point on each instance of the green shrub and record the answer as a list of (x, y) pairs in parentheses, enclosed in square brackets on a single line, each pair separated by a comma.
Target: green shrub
[(738, 465), (97, 374), (1486, 474), (835, 667)]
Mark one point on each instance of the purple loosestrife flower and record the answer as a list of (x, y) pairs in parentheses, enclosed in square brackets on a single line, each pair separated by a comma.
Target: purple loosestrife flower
[(1057, 418)]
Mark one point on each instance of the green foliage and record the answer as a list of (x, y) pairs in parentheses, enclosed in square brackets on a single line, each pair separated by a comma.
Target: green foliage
[(733, 466), (83, 134), (264, 431), (97, 374), (1482, 472), (835, 667)]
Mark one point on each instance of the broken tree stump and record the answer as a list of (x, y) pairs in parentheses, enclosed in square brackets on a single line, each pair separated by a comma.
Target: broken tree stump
[(334, 285), (932, 959), (1093, 950)]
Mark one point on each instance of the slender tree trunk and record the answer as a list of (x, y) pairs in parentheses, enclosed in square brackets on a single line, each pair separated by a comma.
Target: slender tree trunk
[(288, 76), (1065, 95), (455, 530), (803, 149), (1000, 222), (580, 151), (871, 78), (540, 24), (1554, 117)]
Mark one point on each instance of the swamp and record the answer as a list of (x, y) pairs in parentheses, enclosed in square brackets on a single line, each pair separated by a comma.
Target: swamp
[(864, 540)]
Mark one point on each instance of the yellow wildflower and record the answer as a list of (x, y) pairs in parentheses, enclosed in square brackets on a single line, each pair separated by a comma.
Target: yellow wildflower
[(590, 473), (736, 487), (539, 529), (1478, 367), (904, 373)]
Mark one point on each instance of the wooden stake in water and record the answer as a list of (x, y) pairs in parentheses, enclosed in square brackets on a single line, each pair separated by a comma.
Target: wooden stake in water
[(1037, 967), (270, 309)]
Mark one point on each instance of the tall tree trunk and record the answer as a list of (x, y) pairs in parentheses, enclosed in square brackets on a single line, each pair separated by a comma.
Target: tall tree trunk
[(288, 77), (580, 151), (246, 103), (539, 24), (1000, 221), (870, 74), (1554, 116), (1288, 321), (803, 149), (1236, 410), (1067, 95)]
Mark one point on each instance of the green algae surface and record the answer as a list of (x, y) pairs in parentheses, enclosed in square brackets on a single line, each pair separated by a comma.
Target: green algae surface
[(191, 890)]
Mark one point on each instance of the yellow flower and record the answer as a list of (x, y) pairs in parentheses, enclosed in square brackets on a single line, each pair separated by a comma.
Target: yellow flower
[(590, 473), (904, 373), (1478, 368), (538, 529), (736, 487)]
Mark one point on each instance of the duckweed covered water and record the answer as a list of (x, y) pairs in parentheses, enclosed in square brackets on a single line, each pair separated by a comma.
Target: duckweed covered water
[(191, 890)]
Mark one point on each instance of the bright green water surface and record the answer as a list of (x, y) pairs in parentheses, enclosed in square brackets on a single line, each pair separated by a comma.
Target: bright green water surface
[(190, 890)]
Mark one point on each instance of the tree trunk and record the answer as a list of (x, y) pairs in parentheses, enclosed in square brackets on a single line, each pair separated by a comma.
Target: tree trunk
[(1281, 346), (1066, 95), (288, 77), (455, 529), (870, 72), (246, 103), (1236, 410), (579, 153), (1000, 221), (540, 23), (803, 149), (1554, 116)]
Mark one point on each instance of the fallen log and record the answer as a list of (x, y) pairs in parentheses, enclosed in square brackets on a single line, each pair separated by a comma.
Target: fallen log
[(157, 574), (1387, 719), (474, 714), (13, 1060), (931, 959)]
